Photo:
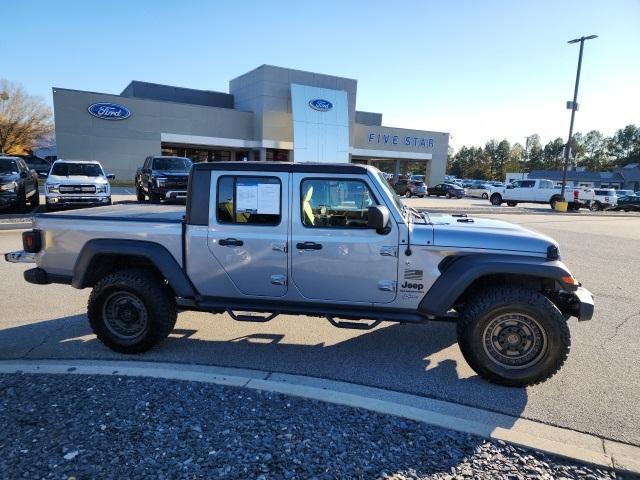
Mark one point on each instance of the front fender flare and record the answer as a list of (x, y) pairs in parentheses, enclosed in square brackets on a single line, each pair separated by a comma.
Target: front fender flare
[(458, 274)]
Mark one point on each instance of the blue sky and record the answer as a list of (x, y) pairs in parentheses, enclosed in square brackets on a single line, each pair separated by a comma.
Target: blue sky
[(477, 69)]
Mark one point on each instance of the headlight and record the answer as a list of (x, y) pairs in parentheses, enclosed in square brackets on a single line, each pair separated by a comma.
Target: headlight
[(53, 188), (9, 187), (102, 189)]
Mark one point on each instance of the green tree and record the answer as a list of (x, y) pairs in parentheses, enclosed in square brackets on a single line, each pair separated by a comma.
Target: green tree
[(552, 154), (595, 152), (624, 146), (503, 153)]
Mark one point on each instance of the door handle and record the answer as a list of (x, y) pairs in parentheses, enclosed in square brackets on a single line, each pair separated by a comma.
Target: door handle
[(230, 242), (309, 246)]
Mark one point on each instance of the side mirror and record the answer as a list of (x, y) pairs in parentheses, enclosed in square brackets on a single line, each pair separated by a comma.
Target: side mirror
[(111, 176), (378, 218)]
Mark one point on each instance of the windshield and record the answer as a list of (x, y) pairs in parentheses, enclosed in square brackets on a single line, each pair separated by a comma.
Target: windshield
[(77, 169), (390, 193), (8, 166), (171, 163)]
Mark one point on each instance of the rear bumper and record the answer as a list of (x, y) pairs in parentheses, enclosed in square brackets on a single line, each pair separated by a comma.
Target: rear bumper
[(582, 304), (38, 276), (20, 257)]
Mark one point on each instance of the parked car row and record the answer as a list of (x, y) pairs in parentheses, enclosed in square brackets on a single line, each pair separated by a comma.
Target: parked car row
[(69, 183)]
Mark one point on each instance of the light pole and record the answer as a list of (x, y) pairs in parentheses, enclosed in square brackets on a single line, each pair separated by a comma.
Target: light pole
[(4, 96), (574, 106)]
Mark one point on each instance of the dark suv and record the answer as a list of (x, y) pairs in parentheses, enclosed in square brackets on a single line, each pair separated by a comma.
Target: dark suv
[(18, 184), (163, 178), (448, 190)]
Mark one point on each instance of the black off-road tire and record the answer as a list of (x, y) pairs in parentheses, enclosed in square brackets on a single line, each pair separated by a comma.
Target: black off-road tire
[(154, 197), (496, 199), (140, 196), (35, 199), (151, 291), (489, 306), (21, 202)]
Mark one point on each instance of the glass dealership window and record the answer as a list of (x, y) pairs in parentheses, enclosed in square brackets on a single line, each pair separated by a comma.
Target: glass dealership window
[(275, 155), (248, 200), (330, 203)]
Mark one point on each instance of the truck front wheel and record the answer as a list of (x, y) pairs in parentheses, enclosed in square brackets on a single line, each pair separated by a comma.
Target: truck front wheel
[(496, 199), (131, 310), (513, 336)]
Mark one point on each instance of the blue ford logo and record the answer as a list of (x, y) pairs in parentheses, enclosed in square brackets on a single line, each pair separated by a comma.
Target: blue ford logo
[(320, 105), (109, 111)]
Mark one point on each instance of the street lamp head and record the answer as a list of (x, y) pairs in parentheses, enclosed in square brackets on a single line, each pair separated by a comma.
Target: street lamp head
[(581, 39)]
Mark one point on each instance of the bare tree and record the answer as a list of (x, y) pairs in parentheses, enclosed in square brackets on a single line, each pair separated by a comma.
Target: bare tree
[(24, 119)]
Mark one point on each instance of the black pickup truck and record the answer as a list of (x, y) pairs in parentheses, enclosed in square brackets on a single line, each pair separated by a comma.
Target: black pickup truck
[(163, 178)]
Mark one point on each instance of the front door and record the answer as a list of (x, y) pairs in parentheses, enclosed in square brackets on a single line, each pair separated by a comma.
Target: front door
[(248, 230), (335, 256)]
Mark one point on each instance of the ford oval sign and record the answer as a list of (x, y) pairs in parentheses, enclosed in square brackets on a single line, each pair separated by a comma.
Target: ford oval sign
[(320, 105), (109, 111)]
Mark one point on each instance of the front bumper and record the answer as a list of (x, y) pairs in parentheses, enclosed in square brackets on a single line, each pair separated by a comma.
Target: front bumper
[(581, 304), (62, 201), (8, 199)]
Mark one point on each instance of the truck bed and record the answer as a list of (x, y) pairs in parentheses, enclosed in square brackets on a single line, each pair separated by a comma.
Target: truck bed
[(66, 233)]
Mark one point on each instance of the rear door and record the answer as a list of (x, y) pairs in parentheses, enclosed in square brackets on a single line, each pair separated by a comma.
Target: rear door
[(248, 230), (334, 255)]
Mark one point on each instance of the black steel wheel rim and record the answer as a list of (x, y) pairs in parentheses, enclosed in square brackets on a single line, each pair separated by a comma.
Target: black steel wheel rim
[(124, 315), (514, 341)]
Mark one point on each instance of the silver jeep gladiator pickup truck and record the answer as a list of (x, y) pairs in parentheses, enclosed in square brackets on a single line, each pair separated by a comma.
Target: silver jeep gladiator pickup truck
[(326, 240)]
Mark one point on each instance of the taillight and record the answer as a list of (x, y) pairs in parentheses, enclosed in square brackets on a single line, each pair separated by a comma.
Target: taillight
[(32, 241)]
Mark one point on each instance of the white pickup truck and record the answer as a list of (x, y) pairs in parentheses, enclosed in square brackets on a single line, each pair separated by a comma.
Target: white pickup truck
[(541, 191)]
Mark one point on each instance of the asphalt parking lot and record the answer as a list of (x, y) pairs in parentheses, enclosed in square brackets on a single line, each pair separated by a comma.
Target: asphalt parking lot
[(595, 392)]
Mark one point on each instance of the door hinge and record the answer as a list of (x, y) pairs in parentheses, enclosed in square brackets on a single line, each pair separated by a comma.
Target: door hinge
[(387, 285), (389, 251), (279, 279)]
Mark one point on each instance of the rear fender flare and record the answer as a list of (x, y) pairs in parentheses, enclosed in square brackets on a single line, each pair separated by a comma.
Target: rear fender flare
[(153, 252)]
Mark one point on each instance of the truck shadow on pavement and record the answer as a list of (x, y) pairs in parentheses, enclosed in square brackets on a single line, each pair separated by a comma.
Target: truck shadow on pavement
[(418, 359)]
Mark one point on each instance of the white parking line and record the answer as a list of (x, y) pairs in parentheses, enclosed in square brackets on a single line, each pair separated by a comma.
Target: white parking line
[(527, 433)]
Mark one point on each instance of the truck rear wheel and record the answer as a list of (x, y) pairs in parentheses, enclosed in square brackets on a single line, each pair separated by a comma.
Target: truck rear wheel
[(140, 196), (513, 336), (496, 199), (131, 310)]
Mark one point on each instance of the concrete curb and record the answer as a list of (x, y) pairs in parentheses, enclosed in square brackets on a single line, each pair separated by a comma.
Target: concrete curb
[(527, 433)]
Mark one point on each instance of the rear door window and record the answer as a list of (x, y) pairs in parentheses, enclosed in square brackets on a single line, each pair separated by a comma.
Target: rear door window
[(249, 200)]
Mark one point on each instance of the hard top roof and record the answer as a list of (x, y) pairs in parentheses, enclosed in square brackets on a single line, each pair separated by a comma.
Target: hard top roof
[(304, 167)]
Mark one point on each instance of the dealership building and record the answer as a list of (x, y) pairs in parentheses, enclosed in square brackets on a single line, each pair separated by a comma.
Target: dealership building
[(270, 114)]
